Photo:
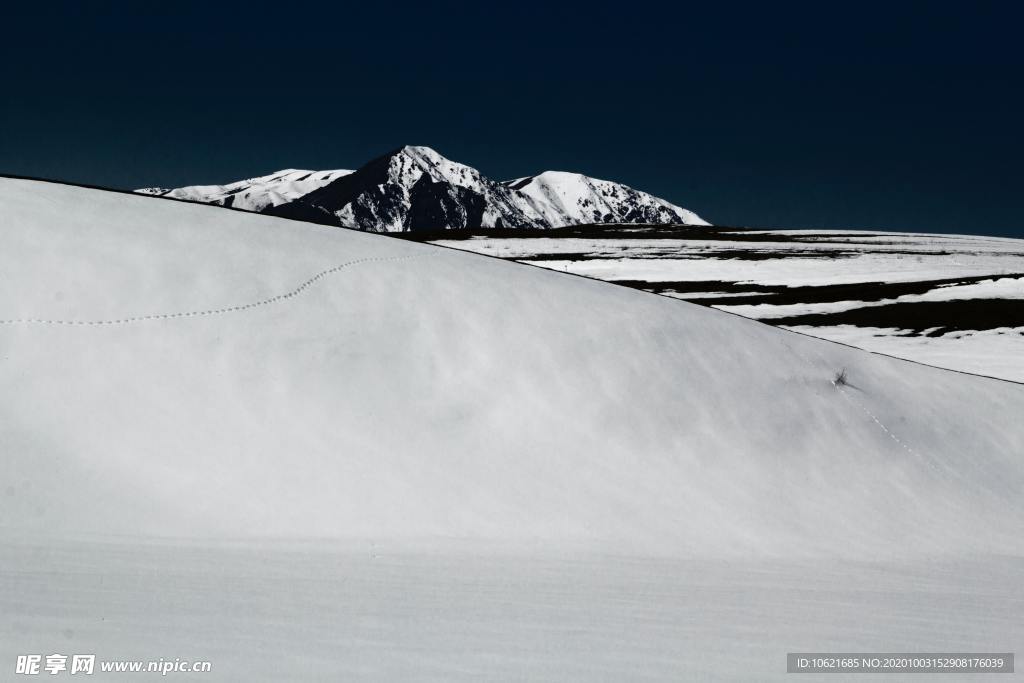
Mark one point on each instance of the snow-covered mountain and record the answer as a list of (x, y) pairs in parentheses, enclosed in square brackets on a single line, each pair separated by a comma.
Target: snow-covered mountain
[(415, 188), (254, 194), (573, 199)]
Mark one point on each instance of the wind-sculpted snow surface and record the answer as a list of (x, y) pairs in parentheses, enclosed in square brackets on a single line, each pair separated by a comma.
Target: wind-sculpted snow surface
[(415, 188), (455, 396)]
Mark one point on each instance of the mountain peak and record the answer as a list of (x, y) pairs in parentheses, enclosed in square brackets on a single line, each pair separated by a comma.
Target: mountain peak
[(426, 157), (439, 168), (416, 188), (420, 151)]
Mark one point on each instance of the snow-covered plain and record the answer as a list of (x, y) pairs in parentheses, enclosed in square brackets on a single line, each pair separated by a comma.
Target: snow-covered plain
[(316, 612), (783, 276), (994, 353), (309, 453)]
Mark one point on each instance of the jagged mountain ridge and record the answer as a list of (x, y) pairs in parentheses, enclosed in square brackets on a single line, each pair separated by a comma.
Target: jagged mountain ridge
[(415, 188)]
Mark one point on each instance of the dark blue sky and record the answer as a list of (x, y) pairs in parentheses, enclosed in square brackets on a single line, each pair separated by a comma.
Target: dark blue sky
[(837, 114)]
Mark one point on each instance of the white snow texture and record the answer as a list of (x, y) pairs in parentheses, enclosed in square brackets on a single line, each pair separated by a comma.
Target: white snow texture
[(304, 453), (296, 379)]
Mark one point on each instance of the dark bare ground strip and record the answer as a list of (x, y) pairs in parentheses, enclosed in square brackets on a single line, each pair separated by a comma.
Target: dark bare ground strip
[(916, 317), (623, 231), (693, 255), (699, 286), (947, 316), (808, 294), (639, 231)]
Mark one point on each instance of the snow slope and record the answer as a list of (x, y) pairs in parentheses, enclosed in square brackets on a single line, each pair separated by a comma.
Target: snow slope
[(254, 194), (955, 301), (303, 453), (415, 188), (301, 380), (575, 199)]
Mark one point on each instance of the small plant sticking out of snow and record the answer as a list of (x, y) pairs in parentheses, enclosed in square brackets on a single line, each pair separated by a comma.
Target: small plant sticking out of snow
[(841, 380)]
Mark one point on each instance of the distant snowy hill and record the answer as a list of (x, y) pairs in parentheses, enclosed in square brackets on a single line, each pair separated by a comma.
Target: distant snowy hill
[(254, 194), (415, 188), (573, 199)]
